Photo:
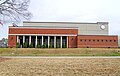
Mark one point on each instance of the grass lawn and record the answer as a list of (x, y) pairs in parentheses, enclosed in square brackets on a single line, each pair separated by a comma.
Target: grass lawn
[(60, 52)]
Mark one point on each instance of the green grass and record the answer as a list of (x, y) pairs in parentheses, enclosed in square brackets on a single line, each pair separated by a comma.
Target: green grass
[(111, 54), (60, 52)]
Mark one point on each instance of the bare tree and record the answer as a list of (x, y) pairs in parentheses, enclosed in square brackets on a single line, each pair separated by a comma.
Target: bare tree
[(14, 10)]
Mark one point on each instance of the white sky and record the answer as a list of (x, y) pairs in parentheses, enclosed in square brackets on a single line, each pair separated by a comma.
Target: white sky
[(75, 11)]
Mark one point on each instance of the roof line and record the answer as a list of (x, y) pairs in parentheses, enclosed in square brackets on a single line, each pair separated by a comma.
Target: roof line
[(44, 26), (68, 22)]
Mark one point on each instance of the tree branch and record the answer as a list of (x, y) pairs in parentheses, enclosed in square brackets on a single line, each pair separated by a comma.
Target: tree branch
[(15, 9)]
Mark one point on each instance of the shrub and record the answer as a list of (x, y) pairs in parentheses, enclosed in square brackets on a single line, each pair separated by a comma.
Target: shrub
[(25, 45), (44, 45), (50, 46), (18, 45), (57, 45), (31, 45), (64, 46), (38, 46)]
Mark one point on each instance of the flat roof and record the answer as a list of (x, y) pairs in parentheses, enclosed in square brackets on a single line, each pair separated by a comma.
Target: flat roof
[(43, 27), (67, 22)]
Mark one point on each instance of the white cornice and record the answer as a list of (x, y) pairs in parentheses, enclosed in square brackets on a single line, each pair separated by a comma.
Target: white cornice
[(45, 34), (46, 27)]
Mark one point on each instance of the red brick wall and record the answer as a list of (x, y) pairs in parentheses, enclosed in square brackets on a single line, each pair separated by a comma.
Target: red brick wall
[(97, 41), (12, 41), (72, 41), (41, 31)]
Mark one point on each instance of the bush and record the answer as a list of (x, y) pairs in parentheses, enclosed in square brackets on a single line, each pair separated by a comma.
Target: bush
[(25, 45), (18, 45), (57, 45), (64, 46), (50, 46), (44, 45), (31, 45), (38, 46)]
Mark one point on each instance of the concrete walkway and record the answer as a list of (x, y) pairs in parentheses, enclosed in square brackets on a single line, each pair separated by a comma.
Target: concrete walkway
[(60, 56)]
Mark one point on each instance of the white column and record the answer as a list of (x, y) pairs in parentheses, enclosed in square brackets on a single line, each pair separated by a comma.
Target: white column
[(29, 40), (61, 41), (42, 40), (17, 39), (67, 41), (48, 41), (54, 41), (23, 39), (36, 41)]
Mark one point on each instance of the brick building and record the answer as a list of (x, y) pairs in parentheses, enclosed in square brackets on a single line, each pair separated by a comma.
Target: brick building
[(62, 34)]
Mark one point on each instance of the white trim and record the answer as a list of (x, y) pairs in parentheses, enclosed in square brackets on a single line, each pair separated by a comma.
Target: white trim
[(45, 34), (34, 22), (46, 27)]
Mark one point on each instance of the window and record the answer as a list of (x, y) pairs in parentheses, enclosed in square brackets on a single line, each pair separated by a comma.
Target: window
[(85, 40), (114, 40), (106, 40), (110, 40), (93, 40), (89, 40), (97, 40), (81, 40), (102, 40)]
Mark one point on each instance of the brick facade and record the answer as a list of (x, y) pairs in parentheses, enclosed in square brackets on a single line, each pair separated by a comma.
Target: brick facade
[(12, 41), (73, 40), (36, 31), (41, 31), (97, 41)]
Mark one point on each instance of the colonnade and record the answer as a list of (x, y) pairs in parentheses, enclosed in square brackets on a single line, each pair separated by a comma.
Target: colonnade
[(55, 40)]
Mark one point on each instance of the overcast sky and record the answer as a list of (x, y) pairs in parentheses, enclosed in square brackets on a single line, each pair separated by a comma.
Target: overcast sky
[(75, 11)]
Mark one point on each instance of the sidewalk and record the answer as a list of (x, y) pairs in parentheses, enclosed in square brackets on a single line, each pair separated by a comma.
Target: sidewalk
[(60, 56)]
